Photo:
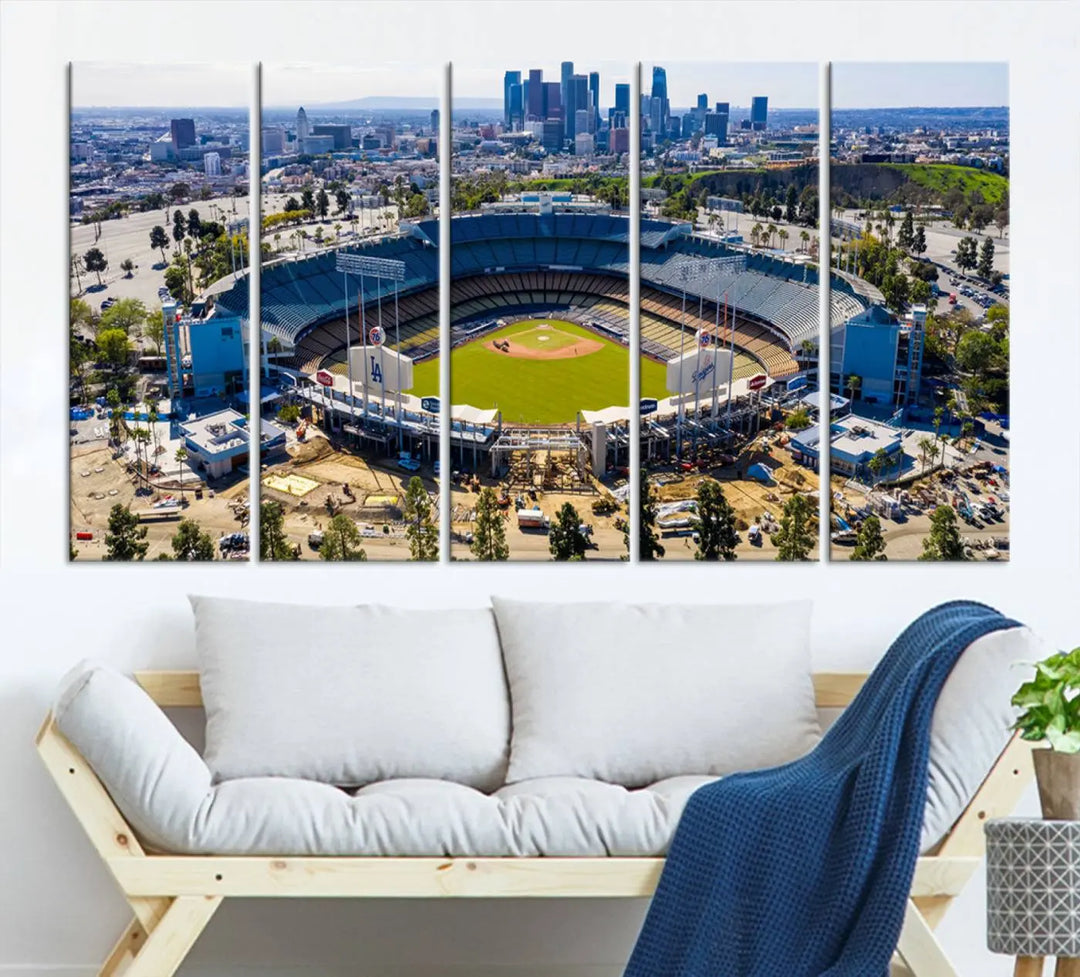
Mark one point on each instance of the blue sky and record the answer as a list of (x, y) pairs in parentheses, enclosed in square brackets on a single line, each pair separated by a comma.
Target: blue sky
[(884, 85)]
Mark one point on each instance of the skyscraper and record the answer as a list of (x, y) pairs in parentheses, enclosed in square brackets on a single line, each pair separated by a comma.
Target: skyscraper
[(510, 79), (577, 91), (566, 71), (517, 114), (622, 99), (659, 91), (594, 90), (183, 134), (553, 109), (716, 123), (535, 109), (435, 123), (212, 164), (759, 113), (703, 101), (301, 129)]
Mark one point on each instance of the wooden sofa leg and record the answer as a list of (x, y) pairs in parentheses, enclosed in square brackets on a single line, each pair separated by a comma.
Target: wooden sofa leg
[(159, 950), (919, 948)]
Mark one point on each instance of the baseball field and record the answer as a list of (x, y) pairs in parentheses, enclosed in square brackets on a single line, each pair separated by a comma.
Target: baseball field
[(540, 371)]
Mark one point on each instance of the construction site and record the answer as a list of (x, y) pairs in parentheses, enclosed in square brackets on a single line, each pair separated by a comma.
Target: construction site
[(757, 480), (534, 486), (322, 478)]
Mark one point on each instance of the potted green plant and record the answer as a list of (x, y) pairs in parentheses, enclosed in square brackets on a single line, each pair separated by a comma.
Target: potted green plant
[(1050, 705)]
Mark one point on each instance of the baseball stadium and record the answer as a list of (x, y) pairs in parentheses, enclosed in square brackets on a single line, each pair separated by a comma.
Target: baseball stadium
[(540, 336)]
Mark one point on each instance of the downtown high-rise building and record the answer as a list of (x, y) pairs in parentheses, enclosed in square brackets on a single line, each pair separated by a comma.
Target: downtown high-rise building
[(659, 93), (759, 113), (182, 132), (511, 84), (566, 71), (594, 92), (534, 109), (302, 130), (716, 123), (622, 99), (577, 98)]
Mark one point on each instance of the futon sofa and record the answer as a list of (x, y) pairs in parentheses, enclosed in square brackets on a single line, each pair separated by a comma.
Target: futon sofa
[(526, 749)]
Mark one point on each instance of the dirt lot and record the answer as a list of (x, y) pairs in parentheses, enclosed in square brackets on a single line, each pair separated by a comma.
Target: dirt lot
[(373, 487), (532, 544), (750, 499), (93, 495)]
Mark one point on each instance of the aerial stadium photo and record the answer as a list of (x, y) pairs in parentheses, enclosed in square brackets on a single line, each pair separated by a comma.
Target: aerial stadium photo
[(350, 312), (920, 376), (730, 316), (540, 320), (158, 381)]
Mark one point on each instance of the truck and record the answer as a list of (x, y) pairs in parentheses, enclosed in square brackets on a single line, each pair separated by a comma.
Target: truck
[(532, 519)]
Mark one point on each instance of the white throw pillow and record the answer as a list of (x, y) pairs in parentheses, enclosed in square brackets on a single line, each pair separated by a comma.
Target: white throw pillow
[(633, 693), (352, 695)]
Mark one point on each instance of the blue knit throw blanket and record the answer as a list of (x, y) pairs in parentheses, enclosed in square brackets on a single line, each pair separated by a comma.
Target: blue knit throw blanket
[(804, 870)]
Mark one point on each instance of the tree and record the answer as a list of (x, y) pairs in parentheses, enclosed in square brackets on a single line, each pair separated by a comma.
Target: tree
[(943, 541), (918, 245), (717, 537), (489, 531), (906, 237), (126, 539), (292, 205), (307, 199), (191, 544), (322, 203), (421, 531), (986, 258), (797, 419), (965, 253), (194, 223), (341, 541), (126, 314), (94, 260), (649, 545), (878, 462), (154, 330), (342, 199), (273, 543), (869, 543), (179, 228), (790, 203), (565, 539), (179, 192), (928, 451), (976, 352), (289, 413), (181, 456), (795, 538), (128, 267), (854, 385), (115, 347)]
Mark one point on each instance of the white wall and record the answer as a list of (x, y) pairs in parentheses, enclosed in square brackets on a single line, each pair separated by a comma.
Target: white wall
[(59, 911)]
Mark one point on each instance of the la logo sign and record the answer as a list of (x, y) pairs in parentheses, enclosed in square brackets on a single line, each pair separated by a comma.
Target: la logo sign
[(376, 371)]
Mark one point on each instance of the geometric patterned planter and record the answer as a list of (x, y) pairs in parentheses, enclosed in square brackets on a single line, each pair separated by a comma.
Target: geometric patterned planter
[(1033, 887)]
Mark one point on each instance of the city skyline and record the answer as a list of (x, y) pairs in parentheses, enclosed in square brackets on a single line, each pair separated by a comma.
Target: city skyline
[(285, 85), (486, 82)]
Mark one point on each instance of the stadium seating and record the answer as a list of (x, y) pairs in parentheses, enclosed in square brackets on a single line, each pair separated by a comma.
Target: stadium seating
[(524, 262)]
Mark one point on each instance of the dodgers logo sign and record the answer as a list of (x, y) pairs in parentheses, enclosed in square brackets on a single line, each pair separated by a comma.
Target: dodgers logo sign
[(376, 371), (376, 336), (701, 374)]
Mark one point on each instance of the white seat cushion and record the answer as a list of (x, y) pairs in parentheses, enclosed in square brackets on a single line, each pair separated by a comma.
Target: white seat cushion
[(165, 790)]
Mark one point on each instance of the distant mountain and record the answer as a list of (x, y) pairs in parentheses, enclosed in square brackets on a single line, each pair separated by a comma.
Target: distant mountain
[(371, 103)]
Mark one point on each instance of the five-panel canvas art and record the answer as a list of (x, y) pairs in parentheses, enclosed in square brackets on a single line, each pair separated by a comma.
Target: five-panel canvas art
[(624, 336)]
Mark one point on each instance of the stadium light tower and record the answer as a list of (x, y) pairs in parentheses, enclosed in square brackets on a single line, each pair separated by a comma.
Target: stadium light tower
[(381, 269)]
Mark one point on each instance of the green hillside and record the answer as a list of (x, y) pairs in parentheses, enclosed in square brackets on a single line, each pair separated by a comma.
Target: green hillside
[(943, 177)]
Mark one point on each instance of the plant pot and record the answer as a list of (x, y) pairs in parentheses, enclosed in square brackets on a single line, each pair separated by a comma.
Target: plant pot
[(1058, 777)]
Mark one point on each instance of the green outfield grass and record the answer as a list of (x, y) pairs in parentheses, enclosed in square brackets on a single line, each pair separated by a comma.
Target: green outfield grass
[(539, 391)]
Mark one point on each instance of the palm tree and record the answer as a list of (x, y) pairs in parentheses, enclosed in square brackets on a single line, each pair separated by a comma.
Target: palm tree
[(804, 236), (783, 235), (771, 231), (854, 384), (755, 233), (181, 456)]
